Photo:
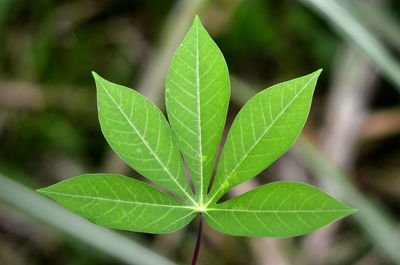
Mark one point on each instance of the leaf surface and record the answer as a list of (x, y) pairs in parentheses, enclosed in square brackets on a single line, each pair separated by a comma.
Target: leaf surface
[(264, 129), (278, 209), (139, 133), (120, 202), (197, 97)]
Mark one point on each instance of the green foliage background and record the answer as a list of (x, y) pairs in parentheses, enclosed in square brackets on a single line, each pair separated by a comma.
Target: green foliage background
[(49, 129)]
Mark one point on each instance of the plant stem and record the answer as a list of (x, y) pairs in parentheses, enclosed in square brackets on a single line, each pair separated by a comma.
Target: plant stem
[(198, 242)]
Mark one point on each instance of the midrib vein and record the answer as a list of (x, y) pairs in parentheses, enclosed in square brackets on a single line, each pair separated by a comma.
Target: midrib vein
[(277, 211), (199, 115), (194, 209), (257, 141), (146, 144), (119, 201)]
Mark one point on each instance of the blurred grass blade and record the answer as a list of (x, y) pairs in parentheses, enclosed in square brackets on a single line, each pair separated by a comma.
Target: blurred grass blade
[(48, 212), (376, 222), (357, 33), (379, 17)]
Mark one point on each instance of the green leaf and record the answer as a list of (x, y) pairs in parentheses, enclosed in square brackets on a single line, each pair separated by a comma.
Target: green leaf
[(197, 97), (264, 129), (120, 202), (139, 133), (278, 209)]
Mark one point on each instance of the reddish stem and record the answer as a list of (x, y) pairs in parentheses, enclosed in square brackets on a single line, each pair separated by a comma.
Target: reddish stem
[(198, 242)]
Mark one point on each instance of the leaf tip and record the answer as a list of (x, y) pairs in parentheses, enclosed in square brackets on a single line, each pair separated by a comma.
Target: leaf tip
[(99, 81), (95, 75), (318, 72), (197, 20), (41, 191), (353, 210)]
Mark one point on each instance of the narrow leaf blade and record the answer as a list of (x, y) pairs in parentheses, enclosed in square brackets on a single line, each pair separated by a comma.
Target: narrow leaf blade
[(120, 202), (197, 97), (278, 209), (264, 129), (139, 133)]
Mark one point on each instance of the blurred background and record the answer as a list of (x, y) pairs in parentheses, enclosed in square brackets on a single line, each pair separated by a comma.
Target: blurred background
[(49, 130)]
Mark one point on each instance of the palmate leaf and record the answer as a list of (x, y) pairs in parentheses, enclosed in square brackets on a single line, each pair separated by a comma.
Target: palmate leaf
[(121, 202), (264, 129), (278, 209), (197, 97)]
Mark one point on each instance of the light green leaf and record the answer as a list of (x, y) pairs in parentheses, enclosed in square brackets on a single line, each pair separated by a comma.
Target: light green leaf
[(264, 129), (139, 133), (197, 97), (120, 202), (278, 209)]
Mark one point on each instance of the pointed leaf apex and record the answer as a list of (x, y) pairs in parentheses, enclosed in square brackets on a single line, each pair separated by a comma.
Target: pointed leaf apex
[(197, 21), (318, 72), (353, 210), (41, 191), (96, 76)]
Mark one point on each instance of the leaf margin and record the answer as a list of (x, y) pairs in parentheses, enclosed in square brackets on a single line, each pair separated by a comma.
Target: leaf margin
[(217, 193), (165, 200), (201, 179), (183, 185), (347, 210)]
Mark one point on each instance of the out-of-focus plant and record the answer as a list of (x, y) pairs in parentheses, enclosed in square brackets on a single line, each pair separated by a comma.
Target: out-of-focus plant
[(197, 97)]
